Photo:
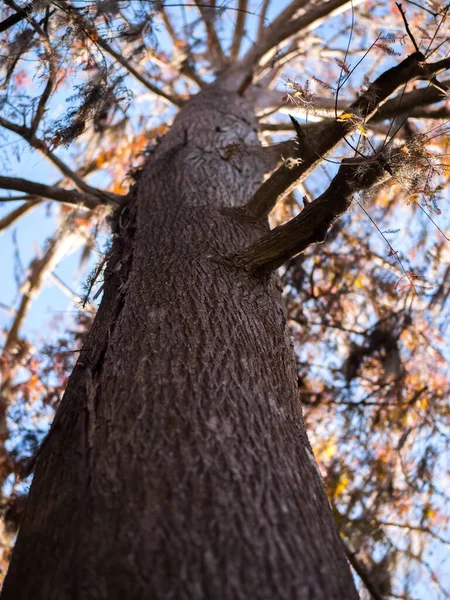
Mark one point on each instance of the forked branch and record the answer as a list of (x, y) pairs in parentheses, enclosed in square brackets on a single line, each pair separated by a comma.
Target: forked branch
[(312, 224), (329, 134)]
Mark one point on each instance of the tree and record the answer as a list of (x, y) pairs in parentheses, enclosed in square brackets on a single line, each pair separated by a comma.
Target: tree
[(178, 464)]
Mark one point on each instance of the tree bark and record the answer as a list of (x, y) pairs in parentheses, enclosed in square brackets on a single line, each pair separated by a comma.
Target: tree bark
[(178, 465)]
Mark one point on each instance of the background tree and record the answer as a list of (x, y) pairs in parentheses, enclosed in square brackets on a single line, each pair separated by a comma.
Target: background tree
[(94, 88)]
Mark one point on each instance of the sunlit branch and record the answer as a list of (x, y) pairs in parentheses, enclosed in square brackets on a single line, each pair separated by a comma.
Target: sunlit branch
[(418, 113), (324, 107), (262, 18), (65, 288), (278, 24), (38, 270), (239, 29), (271, 69), (213, 42), (46, 191), (269, 101), (187, 70), (284, 26), (434, 14)]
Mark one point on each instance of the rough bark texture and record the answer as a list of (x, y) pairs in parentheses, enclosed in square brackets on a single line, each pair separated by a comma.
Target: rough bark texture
[(178, 466)]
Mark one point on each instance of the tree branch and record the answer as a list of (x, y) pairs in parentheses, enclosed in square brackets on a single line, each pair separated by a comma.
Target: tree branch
[(363, 574), (284, 26), (312, 224), (18, 213), (41, 147), (262, 19), (47, 191), (214, 46), (408, 30), (329, 134), (239, 29), (414, 104), (168, 98), (187, 70), (38, 269), (410, 101), (20, 14), (40, 109)]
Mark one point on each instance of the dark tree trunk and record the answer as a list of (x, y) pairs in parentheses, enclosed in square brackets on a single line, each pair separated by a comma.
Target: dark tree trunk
[(178, 466)]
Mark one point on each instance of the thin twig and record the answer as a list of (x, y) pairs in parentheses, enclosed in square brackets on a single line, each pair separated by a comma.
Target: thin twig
[(408, 30)]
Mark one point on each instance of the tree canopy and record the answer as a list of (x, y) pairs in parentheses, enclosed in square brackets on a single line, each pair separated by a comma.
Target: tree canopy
[(353, 106)]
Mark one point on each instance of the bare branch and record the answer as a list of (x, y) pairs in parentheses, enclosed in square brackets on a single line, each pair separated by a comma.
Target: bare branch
[(38, 271), (40, 109), (422, 529), (41, 147), (18, 213), (47, 191), (269, 101), (239, 29), (214, 47), (410, 101), (168, 98), (363, 573), (167, 23), (187, 70), (408, 30), (65, 288), (284, 26), (262, 19)]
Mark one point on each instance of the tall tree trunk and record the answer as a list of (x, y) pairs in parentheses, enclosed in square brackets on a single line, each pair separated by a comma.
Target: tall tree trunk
[(178, 466)]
